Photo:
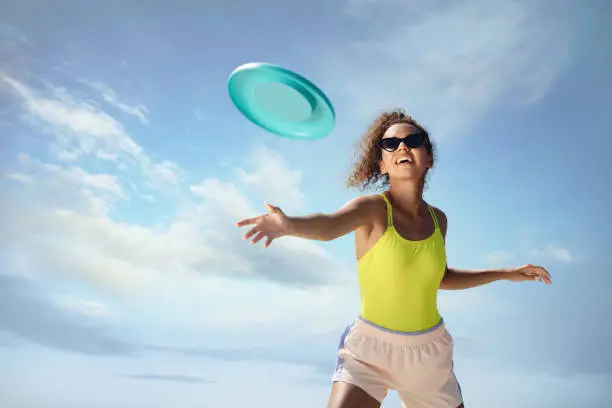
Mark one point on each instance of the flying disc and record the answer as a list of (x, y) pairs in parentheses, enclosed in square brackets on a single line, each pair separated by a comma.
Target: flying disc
[(281, 101)]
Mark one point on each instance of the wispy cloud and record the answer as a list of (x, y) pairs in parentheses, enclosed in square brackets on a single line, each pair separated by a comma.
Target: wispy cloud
[(271, 177), (97, 310), (84, 130), (500, 257), (105, 137), (527, 251), (110, 96), (447, 63), (20, 177), (71, 324), (553, 253), (27, 314), (89, 192), (73, 206), (176, 378)]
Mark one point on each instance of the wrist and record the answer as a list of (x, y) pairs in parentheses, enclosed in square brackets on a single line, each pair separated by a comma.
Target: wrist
[(290, 226), (502, 274)]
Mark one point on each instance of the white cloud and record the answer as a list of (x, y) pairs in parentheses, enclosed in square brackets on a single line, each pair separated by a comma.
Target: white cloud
[(97, 310), (105, 136), (527, 254), (218, 194), (246, 304), (447, 63), (500, 258), (97, 181), (526, 387), (61, 220), (553, 253), (83, 130), (165, 171), (110, 96), (273, 179), (20, 177), (55, 183)]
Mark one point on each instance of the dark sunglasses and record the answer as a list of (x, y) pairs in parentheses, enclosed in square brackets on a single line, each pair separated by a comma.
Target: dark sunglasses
[(413, 141)]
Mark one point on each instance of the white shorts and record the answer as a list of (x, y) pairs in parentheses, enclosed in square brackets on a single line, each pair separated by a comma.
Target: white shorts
[(418, 365)]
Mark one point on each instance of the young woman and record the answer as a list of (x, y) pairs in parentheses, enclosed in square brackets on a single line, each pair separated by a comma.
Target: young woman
[(399, 341)]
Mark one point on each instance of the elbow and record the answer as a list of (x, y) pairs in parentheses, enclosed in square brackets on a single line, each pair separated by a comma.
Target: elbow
[(329, 236), (447, 282), (445, 286), (333, 232)]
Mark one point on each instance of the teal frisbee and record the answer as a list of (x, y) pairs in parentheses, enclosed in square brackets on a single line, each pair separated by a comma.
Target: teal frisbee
[(281, 101)]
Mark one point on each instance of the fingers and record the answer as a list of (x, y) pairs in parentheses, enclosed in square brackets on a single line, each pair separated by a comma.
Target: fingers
[(542, 274), (531, 276), (253, 220), (268, 242), (247, 221), (538, 273), (271, 209), (257, 238), (547, 277), (250, 233), (257, 235)]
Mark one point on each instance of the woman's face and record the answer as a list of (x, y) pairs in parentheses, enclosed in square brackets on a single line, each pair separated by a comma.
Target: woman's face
[(399, 160)]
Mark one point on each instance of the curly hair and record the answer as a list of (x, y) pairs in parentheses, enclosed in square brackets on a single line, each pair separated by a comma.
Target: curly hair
[(367, 172)]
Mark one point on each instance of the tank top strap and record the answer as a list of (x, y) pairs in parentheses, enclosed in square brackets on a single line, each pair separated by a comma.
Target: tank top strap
[(433, 216), (389, 213)]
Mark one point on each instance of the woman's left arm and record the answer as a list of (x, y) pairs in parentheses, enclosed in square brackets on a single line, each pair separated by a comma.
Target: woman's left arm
[(455, 279)]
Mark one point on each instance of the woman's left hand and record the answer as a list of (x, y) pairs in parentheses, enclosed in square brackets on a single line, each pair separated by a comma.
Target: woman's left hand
[(528, 273)]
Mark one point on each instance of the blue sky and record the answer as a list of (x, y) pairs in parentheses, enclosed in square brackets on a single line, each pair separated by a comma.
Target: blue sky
[(124, 168)]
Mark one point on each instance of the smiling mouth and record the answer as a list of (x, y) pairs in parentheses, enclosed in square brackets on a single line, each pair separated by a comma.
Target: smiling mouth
[(404, 160)]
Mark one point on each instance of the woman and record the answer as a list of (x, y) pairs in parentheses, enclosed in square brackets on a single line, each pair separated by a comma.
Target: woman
[(399, 341)]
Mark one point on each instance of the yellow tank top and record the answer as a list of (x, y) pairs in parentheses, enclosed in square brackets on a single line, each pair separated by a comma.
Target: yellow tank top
[(399, 279)]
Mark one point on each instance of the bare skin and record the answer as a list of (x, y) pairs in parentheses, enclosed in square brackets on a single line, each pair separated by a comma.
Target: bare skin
[(366, 216), (345, 395)]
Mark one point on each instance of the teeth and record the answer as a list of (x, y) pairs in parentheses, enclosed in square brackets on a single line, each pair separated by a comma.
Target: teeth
[(404, 160)]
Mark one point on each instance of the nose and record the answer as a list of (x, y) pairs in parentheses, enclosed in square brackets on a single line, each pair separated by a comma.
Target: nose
[(403, 145)]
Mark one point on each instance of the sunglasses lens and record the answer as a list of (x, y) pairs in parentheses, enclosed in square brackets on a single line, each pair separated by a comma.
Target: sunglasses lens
[(390, 143), (412, 141), (415, 140)]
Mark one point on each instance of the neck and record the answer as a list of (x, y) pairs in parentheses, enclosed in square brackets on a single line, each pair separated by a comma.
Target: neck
[(408, 197)]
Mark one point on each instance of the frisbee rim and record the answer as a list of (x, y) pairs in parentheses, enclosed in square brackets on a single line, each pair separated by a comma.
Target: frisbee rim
[(320, 127)]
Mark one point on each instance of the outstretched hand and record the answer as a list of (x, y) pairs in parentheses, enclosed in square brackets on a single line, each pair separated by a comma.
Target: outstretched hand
[(529, 273), (273, 225)]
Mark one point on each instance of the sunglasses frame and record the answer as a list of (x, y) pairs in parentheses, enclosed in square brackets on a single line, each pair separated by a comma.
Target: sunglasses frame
[(405, 141)]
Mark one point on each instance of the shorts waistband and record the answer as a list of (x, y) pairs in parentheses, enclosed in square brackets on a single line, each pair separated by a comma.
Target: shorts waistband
[(367, 328)]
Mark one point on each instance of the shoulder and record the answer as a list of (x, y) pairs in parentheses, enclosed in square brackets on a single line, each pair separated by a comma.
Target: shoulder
[(368, 201), (441, 217), (367, 206)]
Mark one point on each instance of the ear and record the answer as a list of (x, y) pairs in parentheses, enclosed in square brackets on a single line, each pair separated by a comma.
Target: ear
[(430, 161), (383, 169)]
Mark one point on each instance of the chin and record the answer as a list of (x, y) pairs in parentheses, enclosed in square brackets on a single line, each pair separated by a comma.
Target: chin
[(407, 172), (406, 177)]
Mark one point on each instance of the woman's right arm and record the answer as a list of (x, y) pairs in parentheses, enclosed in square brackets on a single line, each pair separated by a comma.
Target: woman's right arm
[(327, 227), (320, 227)]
